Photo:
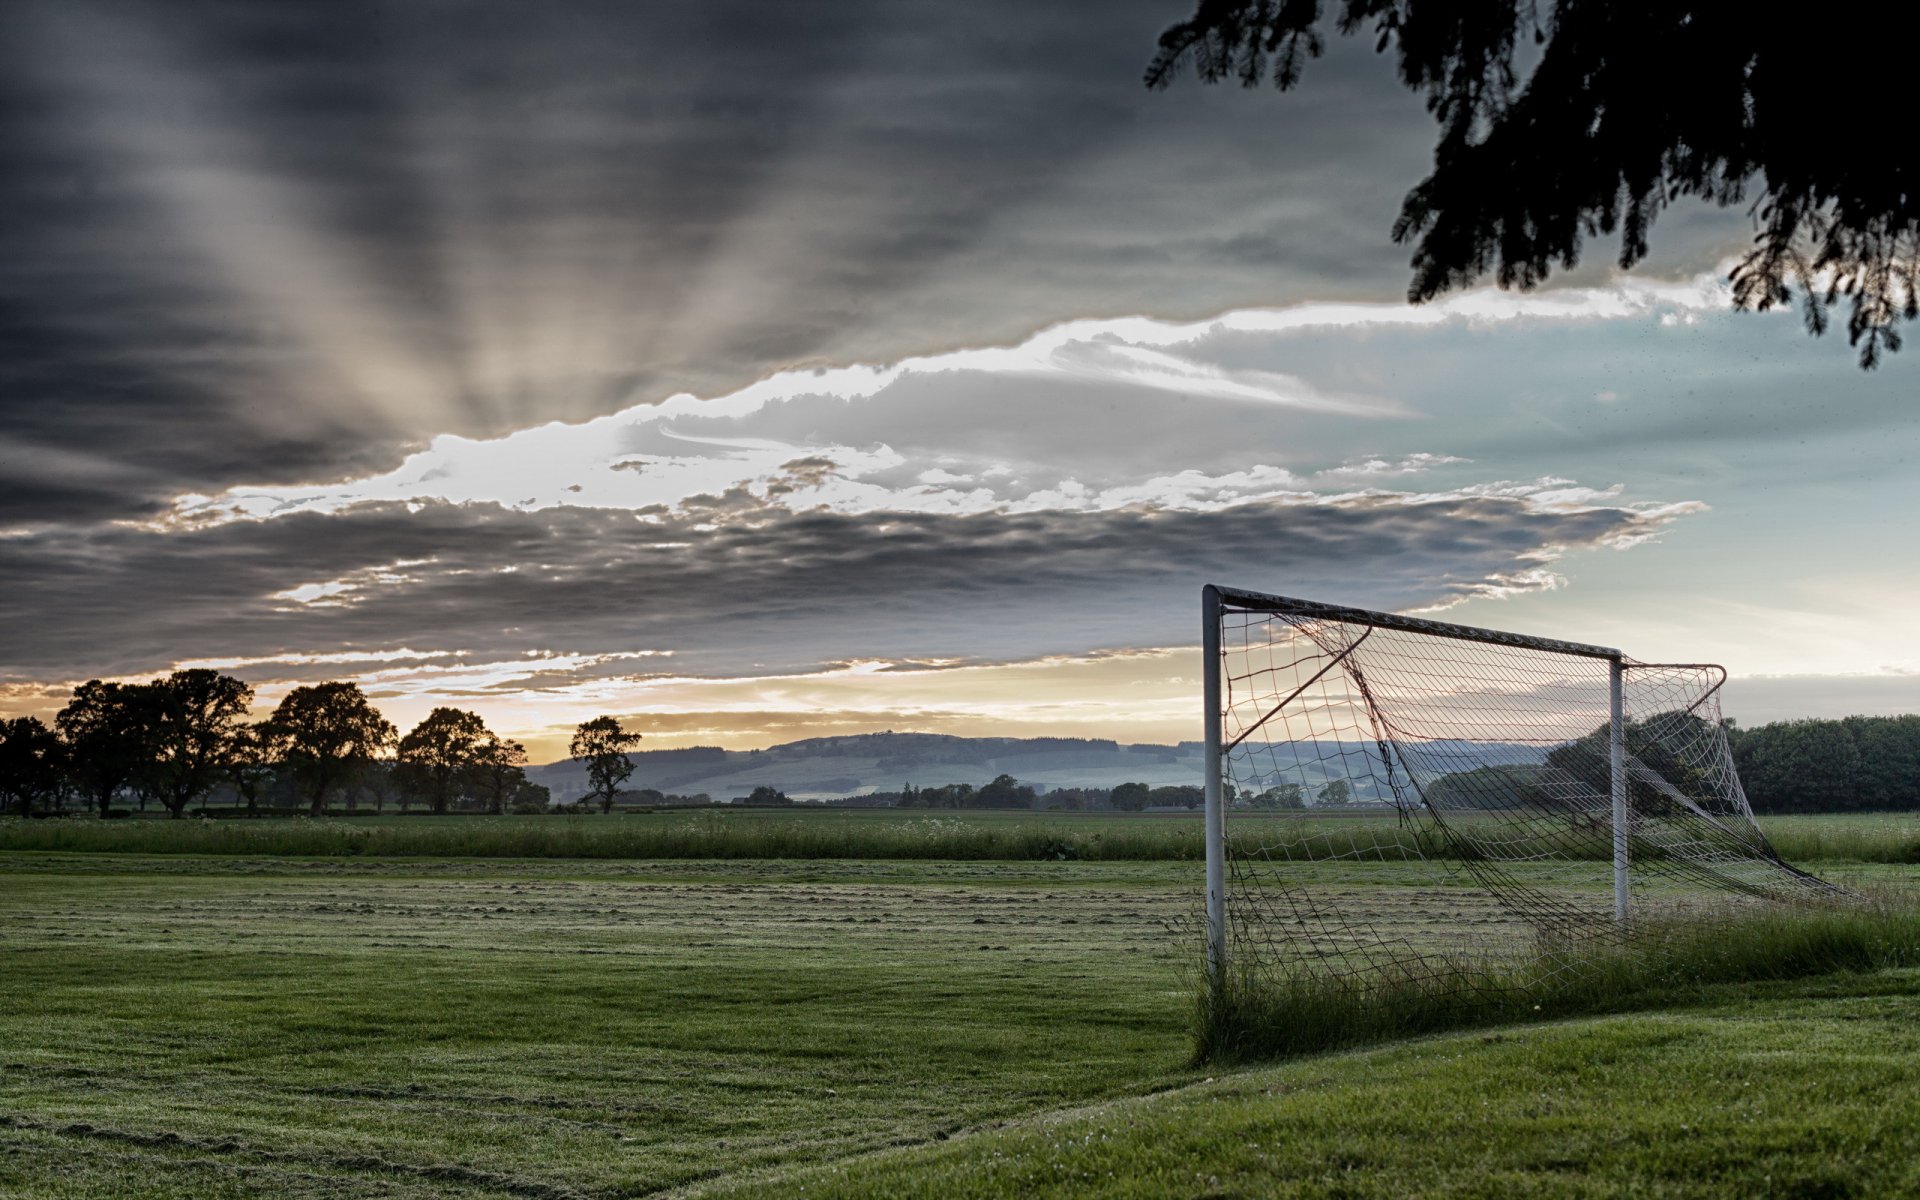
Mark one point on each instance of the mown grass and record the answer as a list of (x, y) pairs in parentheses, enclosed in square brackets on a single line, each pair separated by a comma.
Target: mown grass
[(1260, 1012), (847, 834), (1802, 1090), (334, 1028), (173, 1026)]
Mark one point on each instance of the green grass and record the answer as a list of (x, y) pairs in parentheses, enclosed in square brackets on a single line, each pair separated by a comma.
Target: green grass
[(362, 1028), (323, 1026), (1005, 836), (1800, 1091), (1267, 1014), (1846, 837), (829, 834)]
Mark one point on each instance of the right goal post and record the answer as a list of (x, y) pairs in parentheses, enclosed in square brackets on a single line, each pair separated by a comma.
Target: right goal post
[(1390, 794)]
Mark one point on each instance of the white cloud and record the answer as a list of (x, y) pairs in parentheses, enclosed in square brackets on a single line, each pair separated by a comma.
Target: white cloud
[(1067, 379)]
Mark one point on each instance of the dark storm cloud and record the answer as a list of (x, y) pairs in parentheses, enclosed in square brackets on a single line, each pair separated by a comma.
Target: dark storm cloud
[(247, 243), (735, 588)]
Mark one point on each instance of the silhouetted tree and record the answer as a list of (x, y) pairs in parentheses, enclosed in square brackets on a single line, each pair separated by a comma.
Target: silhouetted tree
[(531, 797), (104, 729), (1629, 105), (1131, 797), (192, 721), (31, 763), (375, 777), (440, 753), (251, 763), (323, 732), (1337, 791), (499, 768), (765, 794), (602, 745)]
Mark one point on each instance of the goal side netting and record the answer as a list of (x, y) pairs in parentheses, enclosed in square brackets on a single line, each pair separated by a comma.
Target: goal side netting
[(1397, 796)]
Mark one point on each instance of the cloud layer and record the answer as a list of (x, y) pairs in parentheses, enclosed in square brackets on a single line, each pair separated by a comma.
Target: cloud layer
[(288, 243)]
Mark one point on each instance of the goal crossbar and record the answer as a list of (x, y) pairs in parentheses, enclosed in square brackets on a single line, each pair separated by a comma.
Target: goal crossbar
[(1265, 602)]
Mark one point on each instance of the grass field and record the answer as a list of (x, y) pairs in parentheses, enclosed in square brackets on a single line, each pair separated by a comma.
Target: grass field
[(831, 834), (226, 1028), (254, 1024)]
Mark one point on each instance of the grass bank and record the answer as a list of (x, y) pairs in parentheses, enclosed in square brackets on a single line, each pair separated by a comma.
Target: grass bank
[(1266, 1014), (1802, 1090)]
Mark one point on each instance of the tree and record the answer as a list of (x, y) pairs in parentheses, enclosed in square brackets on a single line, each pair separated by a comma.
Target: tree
[(192, 723), (602, 744), (323, 732), (1337, 791), (440, 754), (376, 778), (1281, 796), (1178, 795), (1628, 107), (31, 764), (251, 764), (1131, 797), (530, 797), (766, 794), (104, 729), (1004, 792), (499, 770)]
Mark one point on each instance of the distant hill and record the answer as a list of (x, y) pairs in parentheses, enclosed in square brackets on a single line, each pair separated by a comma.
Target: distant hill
[(823, 768), (831, 767)]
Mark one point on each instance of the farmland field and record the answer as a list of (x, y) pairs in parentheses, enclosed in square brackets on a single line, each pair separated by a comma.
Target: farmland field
[(258, 1024)]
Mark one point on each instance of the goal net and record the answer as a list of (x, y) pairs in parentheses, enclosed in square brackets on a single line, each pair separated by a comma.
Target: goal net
[(1391, 797)]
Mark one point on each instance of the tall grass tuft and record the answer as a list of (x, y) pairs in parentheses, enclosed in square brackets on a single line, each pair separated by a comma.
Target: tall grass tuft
[(1265, 1015)]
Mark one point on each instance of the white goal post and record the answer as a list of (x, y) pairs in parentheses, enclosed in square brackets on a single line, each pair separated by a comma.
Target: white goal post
[(1511, 761)]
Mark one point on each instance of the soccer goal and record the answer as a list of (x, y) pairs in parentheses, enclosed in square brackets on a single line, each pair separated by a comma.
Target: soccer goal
[(1388, 796)]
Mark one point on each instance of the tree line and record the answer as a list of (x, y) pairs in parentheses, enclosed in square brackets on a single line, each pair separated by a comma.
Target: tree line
[(174, 741), (1855, 764)]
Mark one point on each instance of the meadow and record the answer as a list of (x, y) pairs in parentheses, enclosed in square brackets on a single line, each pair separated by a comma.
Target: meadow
[(250, 1020), (885, 834)]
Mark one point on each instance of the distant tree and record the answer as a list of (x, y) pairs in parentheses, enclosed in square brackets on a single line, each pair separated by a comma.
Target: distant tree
[(1513, 785), (323, 732), (1178, 795), (1005, 792), (375, 777), (1131, 797), (765, 794), (251, 763), (1281, 796), (1672, 744), (440, 754), (192, 723), (1074, 799), (602, 745), (530, 797), (1337, 791), (1629, 105), (1857, 764), (104, 729), (952, 795), (31, 764), (499, 768)]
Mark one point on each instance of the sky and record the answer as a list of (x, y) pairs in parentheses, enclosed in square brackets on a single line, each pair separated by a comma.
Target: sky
[(757, 371)]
